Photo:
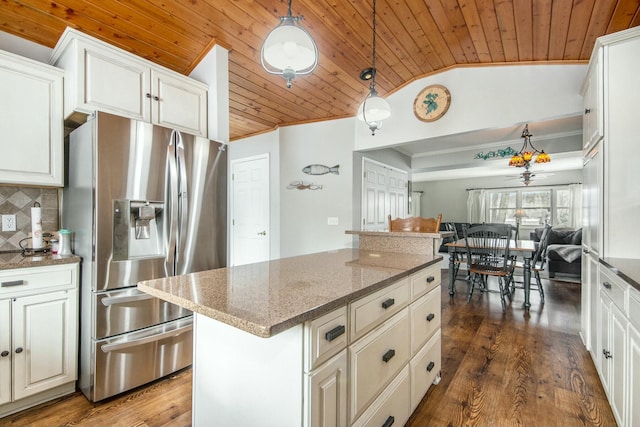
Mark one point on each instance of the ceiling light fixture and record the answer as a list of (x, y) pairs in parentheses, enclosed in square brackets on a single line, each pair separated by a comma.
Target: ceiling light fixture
[(289, 50), (374, 109), (526, 153)]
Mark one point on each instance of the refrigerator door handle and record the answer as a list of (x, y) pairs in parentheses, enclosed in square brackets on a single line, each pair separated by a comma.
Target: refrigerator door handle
[(171, 200), (125, 299), (157, 337), (183, 203)]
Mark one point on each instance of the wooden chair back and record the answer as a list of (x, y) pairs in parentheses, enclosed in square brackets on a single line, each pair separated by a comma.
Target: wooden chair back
[(416, 224), (488, 248)]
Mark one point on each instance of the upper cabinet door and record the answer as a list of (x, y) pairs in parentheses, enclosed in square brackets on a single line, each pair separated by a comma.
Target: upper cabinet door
[(30, 122), (105, 78), (592, 121), (179, 103), (116, 85)]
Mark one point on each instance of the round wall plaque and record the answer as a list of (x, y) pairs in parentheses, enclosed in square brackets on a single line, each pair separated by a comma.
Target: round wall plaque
[(431, 103)]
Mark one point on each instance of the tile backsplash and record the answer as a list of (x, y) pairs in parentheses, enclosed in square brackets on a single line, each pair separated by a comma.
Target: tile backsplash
[(18, 201)]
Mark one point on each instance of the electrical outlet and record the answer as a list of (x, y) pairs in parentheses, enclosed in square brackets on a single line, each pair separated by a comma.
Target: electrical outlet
[(8, 223)]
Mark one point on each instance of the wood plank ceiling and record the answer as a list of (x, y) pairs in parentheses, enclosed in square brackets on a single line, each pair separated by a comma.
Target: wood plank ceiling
[(416, 38)]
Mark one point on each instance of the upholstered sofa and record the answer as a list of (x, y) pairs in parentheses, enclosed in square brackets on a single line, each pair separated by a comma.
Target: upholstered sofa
[(564, 250)]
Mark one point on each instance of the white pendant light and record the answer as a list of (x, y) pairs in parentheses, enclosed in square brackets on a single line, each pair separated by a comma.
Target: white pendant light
[(289, 50), (374, 109)]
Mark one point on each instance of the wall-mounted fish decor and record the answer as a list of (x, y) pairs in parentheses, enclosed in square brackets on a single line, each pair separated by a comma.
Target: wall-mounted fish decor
[(303, 185), (321, 170)]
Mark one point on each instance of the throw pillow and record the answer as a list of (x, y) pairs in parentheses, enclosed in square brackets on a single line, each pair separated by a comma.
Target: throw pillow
[(576, 237)]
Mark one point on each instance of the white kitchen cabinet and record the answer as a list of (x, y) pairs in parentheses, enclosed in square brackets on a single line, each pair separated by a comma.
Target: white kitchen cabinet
[(592, 91), (38, 335), (105, 78), (31, 122), (5, 351), (353, 366), (326, 388), (621, 62), (591, 243), (633, 389), (618, 359)]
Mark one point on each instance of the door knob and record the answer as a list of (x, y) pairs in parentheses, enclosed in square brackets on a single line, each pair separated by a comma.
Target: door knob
[(4, 353), (262, 233), (19, 350)]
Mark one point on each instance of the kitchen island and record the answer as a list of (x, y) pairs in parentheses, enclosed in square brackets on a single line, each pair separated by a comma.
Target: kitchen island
[(345, 337)]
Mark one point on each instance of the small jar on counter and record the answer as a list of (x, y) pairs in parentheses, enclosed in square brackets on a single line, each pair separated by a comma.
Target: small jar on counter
[(55, 246)]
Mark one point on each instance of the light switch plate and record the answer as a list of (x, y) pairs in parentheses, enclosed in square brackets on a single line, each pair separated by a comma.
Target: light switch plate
[(8, 223), (332, 220)]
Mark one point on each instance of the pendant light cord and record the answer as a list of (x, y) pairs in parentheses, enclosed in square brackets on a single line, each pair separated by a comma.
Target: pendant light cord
[(373, 62)]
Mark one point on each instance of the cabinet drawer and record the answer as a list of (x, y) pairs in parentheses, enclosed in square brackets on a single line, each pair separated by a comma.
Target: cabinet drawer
[(368, 312), (613, 287), (324, 337), (425, 319), (425, 280), (425, 367), (24, 281), (392, 407), (634, 307), (376, 359)]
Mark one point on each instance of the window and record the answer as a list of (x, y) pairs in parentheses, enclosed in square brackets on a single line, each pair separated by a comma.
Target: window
[(534, 206)]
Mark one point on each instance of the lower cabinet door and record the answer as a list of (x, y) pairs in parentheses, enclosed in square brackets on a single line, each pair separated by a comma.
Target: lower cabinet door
[(327, 393), (633, 396), (391, 408), (425, 368), (45, 343), (5, 351)]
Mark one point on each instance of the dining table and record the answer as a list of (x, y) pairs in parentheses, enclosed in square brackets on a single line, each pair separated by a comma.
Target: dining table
[(522, 248)]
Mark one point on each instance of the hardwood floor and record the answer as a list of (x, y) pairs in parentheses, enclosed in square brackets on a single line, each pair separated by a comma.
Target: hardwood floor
[(517, 368)]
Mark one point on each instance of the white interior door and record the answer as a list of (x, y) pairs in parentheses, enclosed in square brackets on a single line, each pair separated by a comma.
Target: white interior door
[(251, 237), (384, 192)]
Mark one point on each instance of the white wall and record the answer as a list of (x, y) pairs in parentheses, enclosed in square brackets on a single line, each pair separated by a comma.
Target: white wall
[(304, 213), (24, 47), (450, 197), (252, 146), (483, 98)]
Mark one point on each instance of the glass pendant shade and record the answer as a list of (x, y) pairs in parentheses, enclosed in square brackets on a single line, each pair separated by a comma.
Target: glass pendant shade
[(374, 110), (516, 161), (543, 157), (289, 50)]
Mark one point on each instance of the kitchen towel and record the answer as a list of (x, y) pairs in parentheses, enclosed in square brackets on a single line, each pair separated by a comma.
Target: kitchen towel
[(36, 227)]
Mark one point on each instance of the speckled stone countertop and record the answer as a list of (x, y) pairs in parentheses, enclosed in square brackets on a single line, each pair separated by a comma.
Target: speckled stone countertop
[(11, 260), (626, 269), (270, 297), (401, 234)]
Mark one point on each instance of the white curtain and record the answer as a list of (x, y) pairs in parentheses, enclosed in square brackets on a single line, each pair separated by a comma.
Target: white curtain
[(575, 191), (415, 203), (476, 211)]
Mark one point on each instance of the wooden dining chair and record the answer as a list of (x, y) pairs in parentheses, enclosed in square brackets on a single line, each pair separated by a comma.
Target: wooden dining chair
[(488, 256), (537, 265), (416, 224)]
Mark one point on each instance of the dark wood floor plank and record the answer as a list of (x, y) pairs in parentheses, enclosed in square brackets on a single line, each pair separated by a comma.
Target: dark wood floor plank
[(518, 368)]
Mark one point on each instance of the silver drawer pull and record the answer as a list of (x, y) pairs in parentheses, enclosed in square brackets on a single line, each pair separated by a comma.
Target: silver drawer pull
[(12, 283)]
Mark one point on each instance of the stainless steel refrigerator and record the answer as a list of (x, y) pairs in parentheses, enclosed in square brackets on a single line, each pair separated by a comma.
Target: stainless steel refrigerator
[(143, 202)]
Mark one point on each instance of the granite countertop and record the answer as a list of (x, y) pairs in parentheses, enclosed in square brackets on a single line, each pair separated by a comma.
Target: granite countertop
[(626, 269), (11, 260), (269, 297), (400, 234)]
